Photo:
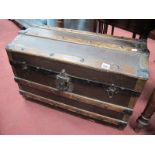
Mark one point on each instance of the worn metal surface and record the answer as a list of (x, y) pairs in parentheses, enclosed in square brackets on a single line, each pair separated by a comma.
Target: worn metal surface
[(101, 58), (59, 33)]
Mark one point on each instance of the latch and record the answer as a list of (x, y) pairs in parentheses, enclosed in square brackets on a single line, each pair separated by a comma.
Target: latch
[(112, 90), (63, 82), (24, 65)]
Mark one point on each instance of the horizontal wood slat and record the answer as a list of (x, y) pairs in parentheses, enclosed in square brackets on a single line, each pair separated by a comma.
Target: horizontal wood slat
[(74, 109), (76, 97)]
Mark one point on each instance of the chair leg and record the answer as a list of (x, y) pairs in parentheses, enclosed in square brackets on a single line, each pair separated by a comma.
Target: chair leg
[(134, 35), (143, 120), (100, 27), (112, 30), (105, 29)]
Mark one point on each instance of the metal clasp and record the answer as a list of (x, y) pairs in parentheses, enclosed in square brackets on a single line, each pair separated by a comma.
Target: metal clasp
[(24, 66), (112, 90), (63, 82)]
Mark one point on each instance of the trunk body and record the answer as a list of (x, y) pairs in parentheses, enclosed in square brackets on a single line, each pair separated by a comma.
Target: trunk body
[(96, 76)]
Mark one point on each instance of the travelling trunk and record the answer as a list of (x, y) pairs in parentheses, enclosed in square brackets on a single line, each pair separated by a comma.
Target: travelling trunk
[(92, 75)]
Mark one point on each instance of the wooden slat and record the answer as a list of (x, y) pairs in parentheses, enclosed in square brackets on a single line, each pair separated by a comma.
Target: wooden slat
[(76, 97), (74, 109)]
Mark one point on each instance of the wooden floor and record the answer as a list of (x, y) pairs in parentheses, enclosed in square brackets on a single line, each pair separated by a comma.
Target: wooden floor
[(18, 116)]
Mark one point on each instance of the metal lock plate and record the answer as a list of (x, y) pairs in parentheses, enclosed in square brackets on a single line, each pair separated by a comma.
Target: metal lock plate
[(63, 82), (25, 69), (24, 66), (112, 90)]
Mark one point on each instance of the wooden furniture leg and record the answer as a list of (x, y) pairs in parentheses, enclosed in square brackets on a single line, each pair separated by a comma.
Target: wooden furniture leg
[(134, 35), (105, 30), (143, 120), (100, 27), (112, 30)]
